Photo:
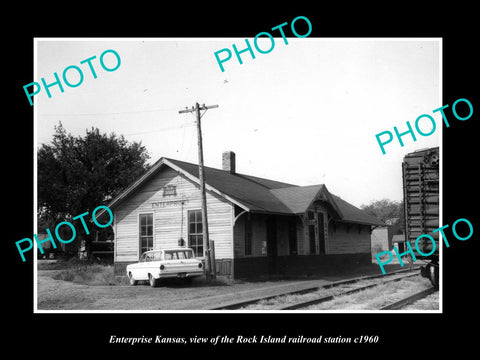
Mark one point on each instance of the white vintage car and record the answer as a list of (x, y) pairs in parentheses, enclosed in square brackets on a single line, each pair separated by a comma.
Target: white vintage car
[(166, 263)]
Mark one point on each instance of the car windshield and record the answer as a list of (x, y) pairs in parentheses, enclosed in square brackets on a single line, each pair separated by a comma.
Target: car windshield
[(151, 256), (178, 254)]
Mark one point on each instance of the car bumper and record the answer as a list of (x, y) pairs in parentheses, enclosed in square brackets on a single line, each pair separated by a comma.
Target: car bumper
[(188, 274)]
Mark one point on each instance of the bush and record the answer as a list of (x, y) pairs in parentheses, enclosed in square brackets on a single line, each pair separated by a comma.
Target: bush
[(86, 273)]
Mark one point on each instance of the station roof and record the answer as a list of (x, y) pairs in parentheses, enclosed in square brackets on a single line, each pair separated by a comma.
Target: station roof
[(256, 194)]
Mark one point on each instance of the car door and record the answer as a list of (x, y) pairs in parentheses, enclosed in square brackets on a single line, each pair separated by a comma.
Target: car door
[(141, 270), (154, 266), (152, 263)]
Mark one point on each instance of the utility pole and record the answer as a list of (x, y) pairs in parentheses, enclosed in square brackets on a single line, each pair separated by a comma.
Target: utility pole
[(206, 242)]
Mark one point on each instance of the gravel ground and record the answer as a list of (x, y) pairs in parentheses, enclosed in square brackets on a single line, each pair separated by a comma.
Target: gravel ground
[(55, 294), (65, 295), (281, 301), (431, 302), (381, 296)]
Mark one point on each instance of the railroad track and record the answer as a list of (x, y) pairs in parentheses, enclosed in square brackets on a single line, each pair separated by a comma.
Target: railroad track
[(399, 304), (307, 303), (409, 299), (302, 304)]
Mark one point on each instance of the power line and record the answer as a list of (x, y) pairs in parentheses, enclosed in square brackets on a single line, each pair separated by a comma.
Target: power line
[(183, 126), (160, 130), (110, 113)]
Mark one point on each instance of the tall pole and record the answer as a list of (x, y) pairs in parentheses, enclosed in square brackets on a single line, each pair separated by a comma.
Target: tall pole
[(206, 247), (206, 243)]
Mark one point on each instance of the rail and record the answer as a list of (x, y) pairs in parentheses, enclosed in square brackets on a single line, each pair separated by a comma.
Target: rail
[(240, 304), (409, 300), (304, 304)]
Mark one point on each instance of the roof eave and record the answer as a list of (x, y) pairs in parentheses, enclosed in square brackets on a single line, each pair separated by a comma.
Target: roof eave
[(155, 167), (330, 200), (371, 223), (207, 186), (129, 190)]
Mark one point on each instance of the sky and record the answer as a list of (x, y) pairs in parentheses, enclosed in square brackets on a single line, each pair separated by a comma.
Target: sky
[(305, 113)]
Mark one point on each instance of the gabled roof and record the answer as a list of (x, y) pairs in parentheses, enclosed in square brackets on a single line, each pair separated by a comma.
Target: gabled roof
[(249, 191), (255, 194), (299, 198), (355, 215)]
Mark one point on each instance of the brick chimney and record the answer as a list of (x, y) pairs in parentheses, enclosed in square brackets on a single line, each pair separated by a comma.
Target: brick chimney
[(228, 161)]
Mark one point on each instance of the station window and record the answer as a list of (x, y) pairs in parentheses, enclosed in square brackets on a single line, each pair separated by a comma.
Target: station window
[(311, 236), (321, 232), (310, 215), (292, 236), (195, 232), (146, 232), (169, 190)]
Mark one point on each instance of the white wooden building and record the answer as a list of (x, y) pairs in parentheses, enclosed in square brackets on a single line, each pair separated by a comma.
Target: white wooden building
[(259, 226)]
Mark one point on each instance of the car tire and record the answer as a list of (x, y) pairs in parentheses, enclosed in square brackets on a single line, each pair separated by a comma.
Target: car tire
[(153, 282), (132, 281)]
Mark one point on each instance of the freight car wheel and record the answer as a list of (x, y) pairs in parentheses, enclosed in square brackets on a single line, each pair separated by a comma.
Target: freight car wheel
[(433, 270)]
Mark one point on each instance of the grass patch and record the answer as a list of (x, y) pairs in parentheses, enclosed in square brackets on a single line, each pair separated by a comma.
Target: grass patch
[(64, 263), (86, 273), (92, 273), (376, 297), (369, 299)]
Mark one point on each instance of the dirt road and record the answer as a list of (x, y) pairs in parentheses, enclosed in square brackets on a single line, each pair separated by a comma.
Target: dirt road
[(53, 294), (65, 295)]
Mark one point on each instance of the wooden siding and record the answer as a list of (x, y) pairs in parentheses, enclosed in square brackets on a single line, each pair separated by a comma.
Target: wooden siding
[(169, 213), (303, 233), (346, 238), (302, 248), (282, 237), (340, 238), (340, 241), (259, 235), (239, 236)]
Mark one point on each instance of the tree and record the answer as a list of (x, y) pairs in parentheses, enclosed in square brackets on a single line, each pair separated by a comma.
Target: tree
[(388, 211), (76, 174)]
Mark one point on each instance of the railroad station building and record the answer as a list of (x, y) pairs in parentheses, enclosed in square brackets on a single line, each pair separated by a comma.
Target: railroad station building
[(259, 226)]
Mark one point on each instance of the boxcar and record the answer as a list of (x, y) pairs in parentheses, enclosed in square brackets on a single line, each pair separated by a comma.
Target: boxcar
[(421, 198)]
